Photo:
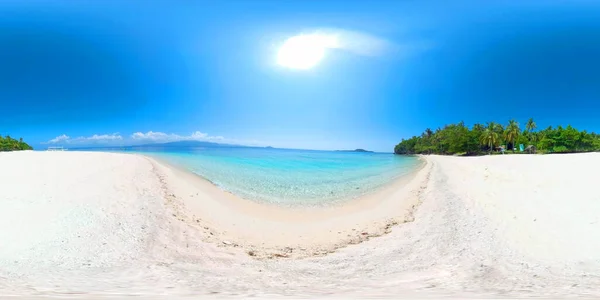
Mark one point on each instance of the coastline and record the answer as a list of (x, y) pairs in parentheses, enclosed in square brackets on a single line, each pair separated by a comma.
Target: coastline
[(395, 183), (268, 230), (330, 184)]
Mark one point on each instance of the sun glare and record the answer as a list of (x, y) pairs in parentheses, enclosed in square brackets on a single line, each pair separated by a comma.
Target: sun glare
[(304, 51)]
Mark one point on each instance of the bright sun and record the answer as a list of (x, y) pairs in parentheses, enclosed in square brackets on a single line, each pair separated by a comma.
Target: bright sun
[(304, 51)]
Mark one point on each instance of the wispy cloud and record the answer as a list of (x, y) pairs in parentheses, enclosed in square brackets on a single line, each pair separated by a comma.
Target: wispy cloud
[(161, 137), (146, 137), (96, 138), (360, 43), (59, 139), (150, 135), (102, 137), (363, 43), (155, 136)]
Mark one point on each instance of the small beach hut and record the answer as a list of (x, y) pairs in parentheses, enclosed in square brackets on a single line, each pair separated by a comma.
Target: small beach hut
[(530, 149)]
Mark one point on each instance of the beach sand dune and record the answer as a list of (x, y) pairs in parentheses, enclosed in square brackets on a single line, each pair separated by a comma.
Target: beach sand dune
[(93, 225)]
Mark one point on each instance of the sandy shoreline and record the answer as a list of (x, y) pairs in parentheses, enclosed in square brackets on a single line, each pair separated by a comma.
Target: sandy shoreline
[(272, 231), (94, 225)]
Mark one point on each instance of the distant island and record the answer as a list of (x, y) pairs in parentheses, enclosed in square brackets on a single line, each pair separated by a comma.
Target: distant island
[(356, 150), (459, 139), (9, 144)]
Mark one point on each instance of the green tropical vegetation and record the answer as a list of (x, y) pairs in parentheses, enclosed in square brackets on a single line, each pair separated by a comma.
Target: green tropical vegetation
[(459, 139), (9, 144)]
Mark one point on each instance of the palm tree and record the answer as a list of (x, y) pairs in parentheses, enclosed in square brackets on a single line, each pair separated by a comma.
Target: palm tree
[(512, 133), (531, 126), (428, 132), (490, 137), (478, 127)]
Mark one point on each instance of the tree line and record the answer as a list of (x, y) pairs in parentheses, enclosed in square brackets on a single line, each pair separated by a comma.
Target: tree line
[(9, 144), (481, 139)]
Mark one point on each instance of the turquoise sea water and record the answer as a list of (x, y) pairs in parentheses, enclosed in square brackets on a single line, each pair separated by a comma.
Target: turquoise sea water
[(290, 177)]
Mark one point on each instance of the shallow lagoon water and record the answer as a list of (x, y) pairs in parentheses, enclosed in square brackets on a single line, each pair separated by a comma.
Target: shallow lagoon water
[(290, 177)]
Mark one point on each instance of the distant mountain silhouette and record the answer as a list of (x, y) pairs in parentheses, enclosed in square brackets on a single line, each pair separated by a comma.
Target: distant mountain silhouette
[(356, 150), (178, 144), (190, 144)]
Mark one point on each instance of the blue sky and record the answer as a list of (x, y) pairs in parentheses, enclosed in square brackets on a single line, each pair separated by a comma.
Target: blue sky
[(124, 72)]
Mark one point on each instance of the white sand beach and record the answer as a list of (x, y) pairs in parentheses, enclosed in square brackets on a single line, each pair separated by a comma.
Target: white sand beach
[(94, 225)]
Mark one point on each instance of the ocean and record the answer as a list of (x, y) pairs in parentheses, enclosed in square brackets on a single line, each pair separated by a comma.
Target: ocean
[(289, 177)]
